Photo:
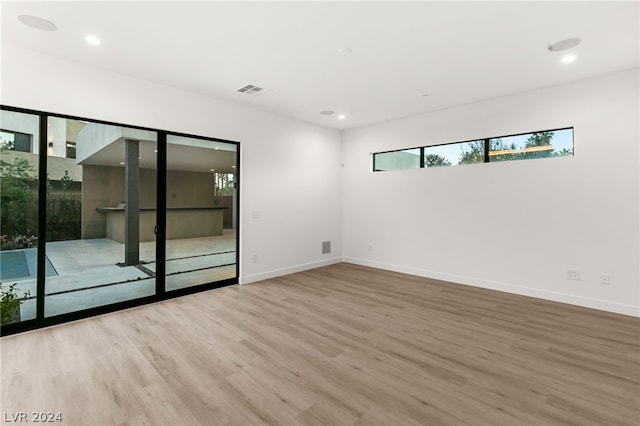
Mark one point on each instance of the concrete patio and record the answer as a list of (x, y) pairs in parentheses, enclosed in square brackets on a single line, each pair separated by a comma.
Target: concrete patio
[(89, 275)]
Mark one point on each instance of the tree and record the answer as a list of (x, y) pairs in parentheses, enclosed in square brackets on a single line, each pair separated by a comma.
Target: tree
[(539, 140), (499, 150), (435, 160), (563, 152), (222, 185), (502, 151), (18, 213), (64, 212), (475, 154)]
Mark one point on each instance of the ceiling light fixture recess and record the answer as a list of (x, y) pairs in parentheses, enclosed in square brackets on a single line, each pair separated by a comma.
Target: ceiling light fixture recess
[(91, 39), (564, 44), (37, 23), (567, 59), (342, 117), (326, 112), (345, 51)]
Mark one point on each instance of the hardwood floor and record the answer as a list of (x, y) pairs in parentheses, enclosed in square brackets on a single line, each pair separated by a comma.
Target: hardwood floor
[(338, 345)]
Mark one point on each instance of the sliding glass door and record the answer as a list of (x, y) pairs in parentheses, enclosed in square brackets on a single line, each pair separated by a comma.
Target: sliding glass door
[(201, 204), (19, 233), (98, 216)]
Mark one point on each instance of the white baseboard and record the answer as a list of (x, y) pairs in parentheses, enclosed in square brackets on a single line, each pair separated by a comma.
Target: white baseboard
[(289, 270), (586, 302)]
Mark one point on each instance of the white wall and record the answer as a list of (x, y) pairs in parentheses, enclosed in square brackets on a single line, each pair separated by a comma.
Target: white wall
[(290, 171), (513, 226)]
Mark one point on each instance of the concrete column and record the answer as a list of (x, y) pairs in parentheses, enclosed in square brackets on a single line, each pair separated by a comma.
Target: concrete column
[(132, 203)]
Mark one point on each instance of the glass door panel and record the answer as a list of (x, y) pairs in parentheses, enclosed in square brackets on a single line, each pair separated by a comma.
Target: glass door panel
[(101, 186), (19, 140), (201, 206)]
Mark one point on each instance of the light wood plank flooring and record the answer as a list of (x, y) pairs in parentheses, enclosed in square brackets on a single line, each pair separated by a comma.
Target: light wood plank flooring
[(338, 345)]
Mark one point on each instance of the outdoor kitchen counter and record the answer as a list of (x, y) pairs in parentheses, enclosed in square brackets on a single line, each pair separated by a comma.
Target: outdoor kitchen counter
[(182, 222)]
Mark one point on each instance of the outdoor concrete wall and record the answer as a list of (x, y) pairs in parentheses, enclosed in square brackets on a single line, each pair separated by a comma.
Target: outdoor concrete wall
[(104, 187), (227, 215), (108, 191), (181, 223), (189, 189), (56, 166)]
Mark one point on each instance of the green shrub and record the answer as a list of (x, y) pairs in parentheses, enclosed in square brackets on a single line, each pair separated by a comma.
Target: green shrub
[(10, 304), (19, 215)]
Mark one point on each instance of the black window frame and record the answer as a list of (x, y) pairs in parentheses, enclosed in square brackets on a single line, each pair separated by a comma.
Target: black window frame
[(15, 143), (70, 147), (486, 140)]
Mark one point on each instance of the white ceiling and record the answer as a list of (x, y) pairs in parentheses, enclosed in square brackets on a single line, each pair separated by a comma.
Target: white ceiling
[(456, 52)]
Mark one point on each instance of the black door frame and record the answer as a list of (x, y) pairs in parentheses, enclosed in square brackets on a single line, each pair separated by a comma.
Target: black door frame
[(161, 200)]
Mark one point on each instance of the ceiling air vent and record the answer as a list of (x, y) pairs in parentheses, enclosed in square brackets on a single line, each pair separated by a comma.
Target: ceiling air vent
[(250, 89)]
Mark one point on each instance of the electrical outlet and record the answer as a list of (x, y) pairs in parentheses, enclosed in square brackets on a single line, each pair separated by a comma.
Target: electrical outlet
[(254, 258), (573, 274), (605, 279)]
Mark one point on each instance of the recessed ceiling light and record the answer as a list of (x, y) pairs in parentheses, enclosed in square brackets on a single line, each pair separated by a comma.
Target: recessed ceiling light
[(342, 117), (564, 44), (37, 22), (326, 112), (213, 170), (91, 39), (155, 150), (345, 51), (567, 59), (122, 163), (424, 95)]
